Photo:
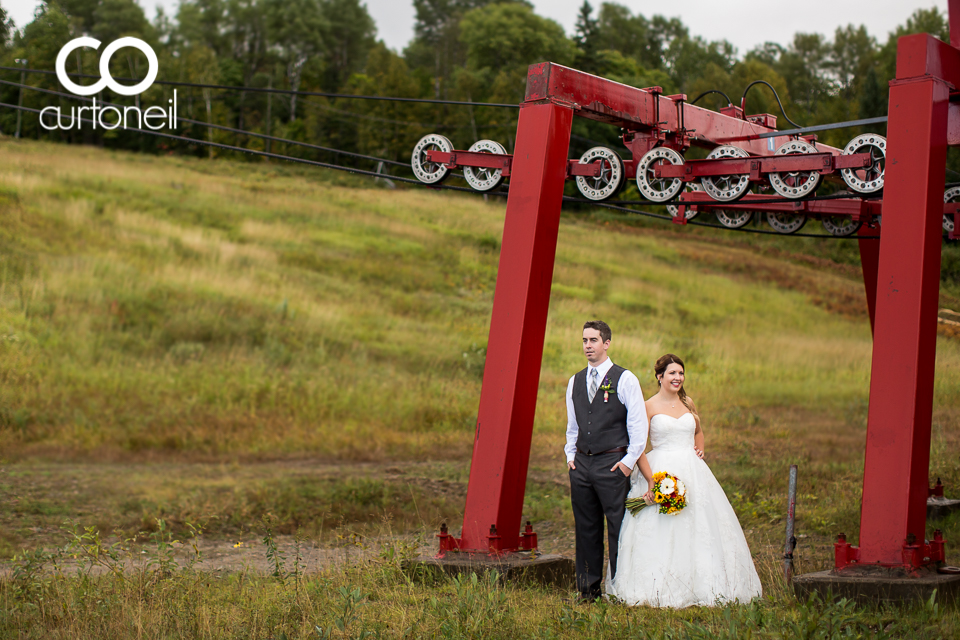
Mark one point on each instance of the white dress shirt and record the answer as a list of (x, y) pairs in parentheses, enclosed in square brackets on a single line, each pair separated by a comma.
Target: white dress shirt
[(629, 395)]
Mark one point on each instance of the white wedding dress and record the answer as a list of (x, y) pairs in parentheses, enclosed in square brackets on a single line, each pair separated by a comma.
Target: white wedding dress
[(698, 556)]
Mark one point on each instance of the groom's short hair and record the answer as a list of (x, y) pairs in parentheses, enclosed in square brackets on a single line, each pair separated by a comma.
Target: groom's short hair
[(601, 326)]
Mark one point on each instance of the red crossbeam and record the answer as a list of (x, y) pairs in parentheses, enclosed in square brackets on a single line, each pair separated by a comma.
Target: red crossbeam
[(853, 207), (647, 110), (456, 159), (825, 163)]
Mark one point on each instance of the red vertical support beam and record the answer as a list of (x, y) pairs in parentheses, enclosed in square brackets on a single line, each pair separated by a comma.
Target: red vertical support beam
[(904, 345), (511, 376), (953, 11), (869, 261)]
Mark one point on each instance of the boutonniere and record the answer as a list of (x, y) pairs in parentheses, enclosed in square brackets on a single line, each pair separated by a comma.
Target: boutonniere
[(606, 388)]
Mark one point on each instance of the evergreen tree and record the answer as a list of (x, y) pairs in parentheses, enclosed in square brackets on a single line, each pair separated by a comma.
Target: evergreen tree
[(351, 36), (301, 32), (585, 37), (922, 21), (5, 28), (437, 47), (873, 101)]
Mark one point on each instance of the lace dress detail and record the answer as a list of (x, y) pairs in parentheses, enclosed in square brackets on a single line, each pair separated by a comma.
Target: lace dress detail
[(696, 557)]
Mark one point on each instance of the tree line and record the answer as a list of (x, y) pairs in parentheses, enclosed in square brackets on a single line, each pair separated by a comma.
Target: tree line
[(465, 50)]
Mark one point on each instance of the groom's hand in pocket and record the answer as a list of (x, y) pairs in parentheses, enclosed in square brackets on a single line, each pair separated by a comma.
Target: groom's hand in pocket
[(624, 469)]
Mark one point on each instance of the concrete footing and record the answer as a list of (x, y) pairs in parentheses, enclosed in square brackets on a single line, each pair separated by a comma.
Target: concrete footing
[(551, 570), (871, 584), (941, 507)]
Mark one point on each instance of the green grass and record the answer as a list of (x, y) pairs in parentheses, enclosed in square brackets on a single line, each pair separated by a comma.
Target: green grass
[(172, 305), (228, 345), (377, 598)]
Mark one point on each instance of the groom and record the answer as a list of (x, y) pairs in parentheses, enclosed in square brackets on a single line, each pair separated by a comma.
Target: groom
[(606, 433)]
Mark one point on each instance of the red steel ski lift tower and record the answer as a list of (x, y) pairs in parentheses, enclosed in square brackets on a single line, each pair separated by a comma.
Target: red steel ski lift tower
[(901, 270)]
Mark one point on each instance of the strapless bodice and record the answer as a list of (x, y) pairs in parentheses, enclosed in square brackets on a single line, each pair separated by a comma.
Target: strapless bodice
[(667, 432)]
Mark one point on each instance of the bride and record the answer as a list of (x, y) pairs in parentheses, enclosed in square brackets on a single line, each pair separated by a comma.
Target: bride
[(698, 556)]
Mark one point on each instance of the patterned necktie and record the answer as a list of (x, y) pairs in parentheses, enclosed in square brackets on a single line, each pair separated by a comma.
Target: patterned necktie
[(592, 391)]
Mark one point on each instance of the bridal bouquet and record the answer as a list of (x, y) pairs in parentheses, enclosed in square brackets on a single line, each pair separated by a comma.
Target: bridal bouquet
[(668, 491)]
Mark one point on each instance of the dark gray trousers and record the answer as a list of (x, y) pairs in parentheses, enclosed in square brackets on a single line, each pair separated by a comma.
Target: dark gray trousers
[(596, 493)]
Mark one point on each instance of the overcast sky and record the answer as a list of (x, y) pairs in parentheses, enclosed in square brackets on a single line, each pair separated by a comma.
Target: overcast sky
[(745, 23)]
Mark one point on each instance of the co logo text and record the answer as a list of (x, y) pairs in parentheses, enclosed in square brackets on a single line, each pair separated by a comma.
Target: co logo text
[(109, 116), (106, 80)]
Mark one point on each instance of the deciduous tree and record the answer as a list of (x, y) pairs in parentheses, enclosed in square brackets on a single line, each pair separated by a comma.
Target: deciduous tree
[(299, 31)]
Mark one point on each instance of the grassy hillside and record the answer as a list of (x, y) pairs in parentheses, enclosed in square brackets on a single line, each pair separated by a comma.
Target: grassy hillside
[(321, 341), (159, 304)]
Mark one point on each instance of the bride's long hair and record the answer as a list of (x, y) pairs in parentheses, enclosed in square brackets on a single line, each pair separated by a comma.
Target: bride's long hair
[(661, 366)]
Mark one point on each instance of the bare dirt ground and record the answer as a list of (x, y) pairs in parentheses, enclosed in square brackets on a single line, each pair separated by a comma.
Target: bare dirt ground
[(39, 500)]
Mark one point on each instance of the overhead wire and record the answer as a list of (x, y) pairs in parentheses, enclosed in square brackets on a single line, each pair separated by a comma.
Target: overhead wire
[(243, 132), (824, 127), (379, 174), (706, 93), (775, 95), (216, 126), (298, 143), (326, 165), (321, 94), (267, 154), (363, 116)]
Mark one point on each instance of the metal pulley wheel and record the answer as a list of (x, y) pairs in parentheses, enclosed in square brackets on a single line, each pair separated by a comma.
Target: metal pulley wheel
[(688, 212), (786, 223), (651, 187), (425, 171), (950, 195), (733, 219), (868, 179), (840, 227), (611, 178), (731, 187), (484, 178), (795, 184)]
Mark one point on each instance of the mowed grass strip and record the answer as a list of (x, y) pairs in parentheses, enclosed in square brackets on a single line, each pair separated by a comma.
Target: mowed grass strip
[(374, 595)]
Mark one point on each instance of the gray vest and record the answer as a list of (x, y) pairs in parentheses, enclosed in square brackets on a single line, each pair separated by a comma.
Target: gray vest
[(603, 425)]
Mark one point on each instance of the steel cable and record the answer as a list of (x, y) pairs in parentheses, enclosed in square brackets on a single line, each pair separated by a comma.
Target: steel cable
[(775, 95), (320, 94), (326, 165), (214, 126)]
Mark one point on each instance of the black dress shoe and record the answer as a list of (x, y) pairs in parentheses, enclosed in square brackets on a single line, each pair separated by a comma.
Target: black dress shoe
[(582, 599)]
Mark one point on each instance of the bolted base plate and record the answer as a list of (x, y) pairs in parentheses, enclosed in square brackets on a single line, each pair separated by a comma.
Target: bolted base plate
[(871, 584), (551, 570)]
